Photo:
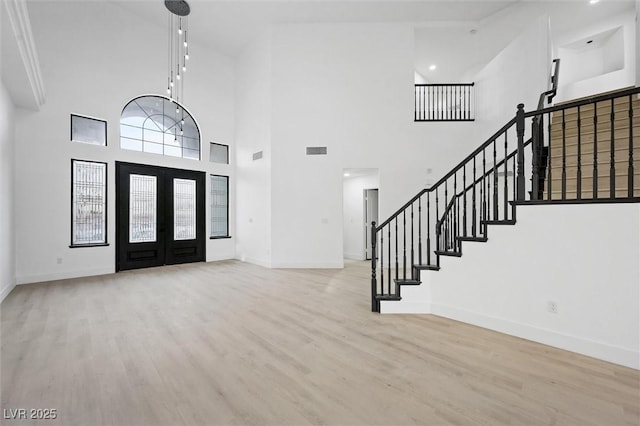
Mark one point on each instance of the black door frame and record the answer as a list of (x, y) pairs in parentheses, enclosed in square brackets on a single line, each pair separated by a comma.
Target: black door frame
[(167, 251)]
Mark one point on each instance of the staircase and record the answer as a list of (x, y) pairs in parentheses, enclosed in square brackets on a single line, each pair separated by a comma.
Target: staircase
[(554, 144)]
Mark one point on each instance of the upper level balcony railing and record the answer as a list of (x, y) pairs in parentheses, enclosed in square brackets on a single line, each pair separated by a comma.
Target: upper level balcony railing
[(444, 102)]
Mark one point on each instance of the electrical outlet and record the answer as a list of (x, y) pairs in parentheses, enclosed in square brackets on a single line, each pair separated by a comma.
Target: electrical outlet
[(552, 307)]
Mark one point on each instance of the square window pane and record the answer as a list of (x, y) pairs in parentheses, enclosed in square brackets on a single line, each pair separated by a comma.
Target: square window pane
[(88, 130), (218, 153)]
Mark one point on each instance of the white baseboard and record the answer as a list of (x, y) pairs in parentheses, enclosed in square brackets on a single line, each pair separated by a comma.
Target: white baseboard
[(5, 291), (32, 279), (354, 256), (404, 307), (308, 265), (581, 345), (260, 262)]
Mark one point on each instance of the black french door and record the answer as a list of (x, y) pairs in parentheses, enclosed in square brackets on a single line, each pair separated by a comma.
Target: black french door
[(159, 216)]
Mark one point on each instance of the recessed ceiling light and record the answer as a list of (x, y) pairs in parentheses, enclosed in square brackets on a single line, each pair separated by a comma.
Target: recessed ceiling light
[(593, 1), (347, 175), (432, 67)]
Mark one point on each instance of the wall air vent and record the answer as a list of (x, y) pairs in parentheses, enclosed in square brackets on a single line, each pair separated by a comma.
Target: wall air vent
[(316, 150), (257, 155)]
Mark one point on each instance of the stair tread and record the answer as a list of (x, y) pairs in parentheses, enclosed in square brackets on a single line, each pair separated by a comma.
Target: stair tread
[(407, 282), (388, 297), (427, 267), (498, 222), (473, 239), (448, 253)]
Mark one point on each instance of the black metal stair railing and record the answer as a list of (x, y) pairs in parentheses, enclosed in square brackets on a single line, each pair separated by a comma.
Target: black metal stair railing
[(589, 145), (444, 102), (586, 149), (477, 192)]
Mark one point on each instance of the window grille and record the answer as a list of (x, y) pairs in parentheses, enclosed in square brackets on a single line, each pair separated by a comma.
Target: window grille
[(219, 206), (89, 203), (184, 209), (143, 214), (161, 126)]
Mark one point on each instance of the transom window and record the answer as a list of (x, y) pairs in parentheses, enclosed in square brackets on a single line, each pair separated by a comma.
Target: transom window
[(161, 126)]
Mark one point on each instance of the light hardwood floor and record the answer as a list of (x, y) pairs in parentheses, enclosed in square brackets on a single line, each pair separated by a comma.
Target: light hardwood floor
[(233, 343)]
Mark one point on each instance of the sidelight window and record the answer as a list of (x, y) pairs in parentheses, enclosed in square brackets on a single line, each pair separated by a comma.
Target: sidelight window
[(219, 206), (88, 203)]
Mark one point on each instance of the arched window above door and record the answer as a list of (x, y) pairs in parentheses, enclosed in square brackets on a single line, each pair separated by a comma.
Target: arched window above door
[(159, 125)]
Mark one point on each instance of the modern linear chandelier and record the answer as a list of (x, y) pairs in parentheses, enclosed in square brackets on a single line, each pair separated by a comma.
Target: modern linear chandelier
[(178, 48)]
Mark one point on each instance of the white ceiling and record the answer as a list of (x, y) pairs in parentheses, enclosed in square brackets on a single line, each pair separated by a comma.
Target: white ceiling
[(228, 26), (456, 50)]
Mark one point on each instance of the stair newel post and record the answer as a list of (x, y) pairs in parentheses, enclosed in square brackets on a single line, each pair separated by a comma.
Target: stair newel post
[(536, 154), (505, 199), (374, 284), (520, 131)]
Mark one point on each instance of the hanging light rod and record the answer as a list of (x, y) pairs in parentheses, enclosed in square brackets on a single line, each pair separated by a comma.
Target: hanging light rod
[(178, 7)]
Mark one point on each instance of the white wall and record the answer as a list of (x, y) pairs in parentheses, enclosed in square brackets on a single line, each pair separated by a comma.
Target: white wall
[(518, 74), (637, 23), (253, 134), (7, 217), (322, 96), (353, 219), (584, 258), (571, 83), (90, 69)]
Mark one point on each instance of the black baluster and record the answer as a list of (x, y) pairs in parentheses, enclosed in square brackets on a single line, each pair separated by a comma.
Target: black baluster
[(595, 150), (455, 211), (412, 254), (483, 195), (495, 183), (419, 231), (437, 226), (513, 207), (549, 183), (506, 180), (382, 260), (416, 99), (404, 244), (612, 170), (389, 251), (564, 159), (579, 169), (397, 268), (473, 201), (630, 172), (464, 199), (428, 229)]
